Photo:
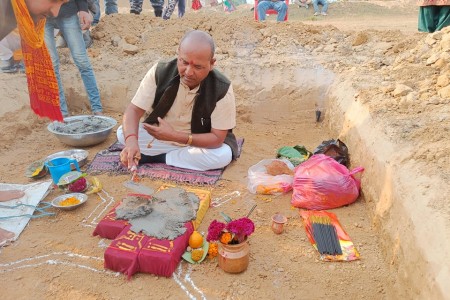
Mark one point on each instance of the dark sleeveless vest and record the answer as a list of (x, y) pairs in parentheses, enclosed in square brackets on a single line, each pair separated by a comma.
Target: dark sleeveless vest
[(213, 88)]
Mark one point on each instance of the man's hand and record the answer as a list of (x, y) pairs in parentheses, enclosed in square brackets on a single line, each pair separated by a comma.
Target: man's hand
[(163, 132), (85, 19), (130, 155)]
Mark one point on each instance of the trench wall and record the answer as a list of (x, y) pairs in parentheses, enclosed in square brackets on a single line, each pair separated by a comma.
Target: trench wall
[(413, 235)]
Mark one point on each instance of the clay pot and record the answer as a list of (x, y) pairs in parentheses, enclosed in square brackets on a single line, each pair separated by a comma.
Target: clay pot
[(278, 222), (234, 258)]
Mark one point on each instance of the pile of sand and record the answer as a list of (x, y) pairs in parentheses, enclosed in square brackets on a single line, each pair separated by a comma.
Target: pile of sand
[(404, 79), (278, 72)]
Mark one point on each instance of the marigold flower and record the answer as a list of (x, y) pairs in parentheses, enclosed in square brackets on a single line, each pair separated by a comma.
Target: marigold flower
[(213, 250), (197, 254), (226, 237)]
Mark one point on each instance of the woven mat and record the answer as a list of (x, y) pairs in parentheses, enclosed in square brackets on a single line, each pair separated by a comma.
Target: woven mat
[(108, 161)]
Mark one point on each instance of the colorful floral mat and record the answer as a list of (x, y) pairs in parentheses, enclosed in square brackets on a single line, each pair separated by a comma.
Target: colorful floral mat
[(108, 161)]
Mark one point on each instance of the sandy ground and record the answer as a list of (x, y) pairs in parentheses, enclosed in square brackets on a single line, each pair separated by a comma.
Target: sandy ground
[(281, 73)]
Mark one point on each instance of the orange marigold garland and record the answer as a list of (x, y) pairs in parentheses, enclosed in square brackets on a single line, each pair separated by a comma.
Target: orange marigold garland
[(213, 250), (42, 84)]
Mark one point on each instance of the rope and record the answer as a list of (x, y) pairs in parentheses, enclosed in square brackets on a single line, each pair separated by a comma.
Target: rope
[(40, 210)]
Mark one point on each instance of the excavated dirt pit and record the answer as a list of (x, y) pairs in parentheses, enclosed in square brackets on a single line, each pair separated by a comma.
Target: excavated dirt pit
[(381, 92)]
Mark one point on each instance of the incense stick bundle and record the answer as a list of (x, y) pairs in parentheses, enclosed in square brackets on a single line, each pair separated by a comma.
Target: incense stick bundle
[(325, 235)]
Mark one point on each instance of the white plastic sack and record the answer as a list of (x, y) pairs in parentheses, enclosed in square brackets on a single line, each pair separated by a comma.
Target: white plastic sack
[(34, 193), (259, 182)]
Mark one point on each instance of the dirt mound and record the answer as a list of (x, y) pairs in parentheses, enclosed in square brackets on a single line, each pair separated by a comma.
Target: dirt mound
[(281, 74)]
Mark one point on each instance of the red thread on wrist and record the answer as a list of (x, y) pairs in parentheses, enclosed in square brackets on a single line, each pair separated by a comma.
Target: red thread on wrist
[(131, 134)]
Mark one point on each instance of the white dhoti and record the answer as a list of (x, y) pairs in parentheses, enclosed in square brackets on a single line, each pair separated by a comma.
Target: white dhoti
[(187, 157), (8, 45)]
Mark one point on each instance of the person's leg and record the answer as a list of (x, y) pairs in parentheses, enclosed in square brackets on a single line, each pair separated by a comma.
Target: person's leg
[(281, 8), (427, 18), (181, 156), (226, 6), (168, 10), (11, 195), (315, 4), (181, 8), (301, 3), (200, 158), (8, 45), (157, 7), (6, 237), (97, 12), (443, 17), (71, 30), (51, 46), (263, 6), (111, 7), (6, 54), (324, 7), (87, 38), (136, 6)]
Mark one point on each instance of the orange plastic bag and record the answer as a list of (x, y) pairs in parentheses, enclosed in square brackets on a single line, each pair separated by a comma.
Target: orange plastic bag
[(323, 183)]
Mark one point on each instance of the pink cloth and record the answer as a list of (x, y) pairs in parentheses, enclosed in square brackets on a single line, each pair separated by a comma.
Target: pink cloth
[(161, 257), (122, 253), (131, 252), (109, 227), (433, 2)]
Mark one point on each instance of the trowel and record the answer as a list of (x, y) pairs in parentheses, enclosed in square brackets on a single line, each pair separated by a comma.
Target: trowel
[(134, 185), (138, 187)]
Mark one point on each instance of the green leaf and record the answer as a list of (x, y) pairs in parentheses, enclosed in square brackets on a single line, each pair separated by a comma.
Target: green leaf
[(226, 217), (187, 255)]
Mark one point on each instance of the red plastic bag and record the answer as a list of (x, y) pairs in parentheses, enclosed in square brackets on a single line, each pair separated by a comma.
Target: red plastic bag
[(323, 183)]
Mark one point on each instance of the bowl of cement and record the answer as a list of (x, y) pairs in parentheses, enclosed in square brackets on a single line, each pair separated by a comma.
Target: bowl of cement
[(82, 131)]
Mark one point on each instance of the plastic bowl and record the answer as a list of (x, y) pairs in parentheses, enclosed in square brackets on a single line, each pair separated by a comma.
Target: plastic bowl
[(82, 197), (79, 155), (82, 131)]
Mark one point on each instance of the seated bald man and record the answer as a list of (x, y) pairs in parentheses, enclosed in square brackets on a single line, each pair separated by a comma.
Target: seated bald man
[(191, 112)]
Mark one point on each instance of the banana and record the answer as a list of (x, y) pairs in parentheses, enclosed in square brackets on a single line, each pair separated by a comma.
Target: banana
[(96, 186)]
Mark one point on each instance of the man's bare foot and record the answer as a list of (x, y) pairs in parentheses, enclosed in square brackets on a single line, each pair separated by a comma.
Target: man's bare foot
[(10, 195), (5, 237)]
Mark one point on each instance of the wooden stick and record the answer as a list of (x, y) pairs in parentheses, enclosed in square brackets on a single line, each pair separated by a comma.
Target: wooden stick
[(251, 210)]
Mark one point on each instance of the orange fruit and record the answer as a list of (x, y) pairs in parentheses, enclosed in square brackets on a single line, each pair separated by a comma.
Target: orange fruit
[(195, 240)]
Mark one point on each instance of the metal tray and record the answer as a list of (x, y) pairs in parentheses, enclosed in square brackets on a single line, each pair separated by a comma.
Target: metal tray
[(56, 202)]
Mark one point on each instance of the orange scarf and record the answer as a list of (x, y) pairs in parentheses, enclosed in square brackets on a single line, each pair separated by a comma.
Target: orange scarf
[(42, 84)]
